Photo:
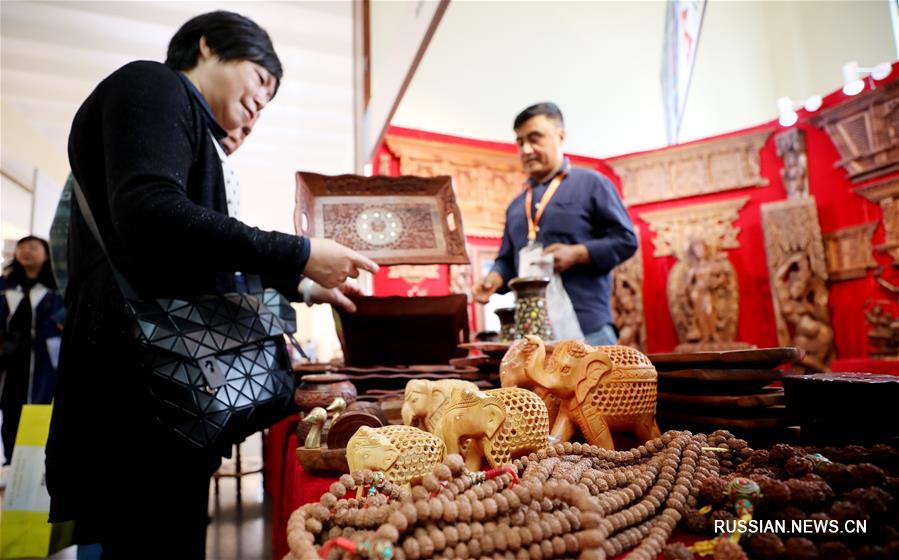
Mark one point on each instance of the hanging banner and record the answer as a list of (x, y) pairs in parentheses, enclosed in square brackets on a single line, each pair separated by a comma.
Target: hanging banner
[(683, 24)]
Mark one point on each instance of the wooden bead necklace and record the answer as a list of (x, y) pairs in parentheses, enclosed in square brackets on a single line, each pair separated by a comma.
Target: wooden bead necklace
[(565, 501)]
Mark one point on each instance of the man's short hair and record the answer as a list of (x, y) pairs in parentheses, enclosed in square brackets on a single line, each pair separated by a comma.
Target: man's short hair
[(548, 109), (230, 36)]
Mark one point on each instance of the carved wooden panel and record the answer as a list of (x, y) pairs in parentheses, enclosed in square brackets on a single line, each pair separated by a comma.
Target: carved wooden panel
[(884, 333), (627, 301), (849, 252), (485, 180), (791, 148), (675, 227), (886, 193), (797, 269), (703, 294), (865, 130), (718, 165)]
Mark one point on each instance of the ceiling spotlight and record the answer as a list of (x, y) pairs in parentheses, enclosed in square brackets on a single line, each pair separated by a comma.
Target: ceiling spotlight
[(788, 116), (852, 82), (788, 119), (881, 71), (813, 103), (853, 75)]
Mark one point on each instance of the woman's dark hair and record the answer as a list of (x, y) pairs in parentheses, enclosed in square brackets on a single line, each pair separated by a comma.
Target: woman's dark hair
[(16, 272), (230, 36), (548, 109)]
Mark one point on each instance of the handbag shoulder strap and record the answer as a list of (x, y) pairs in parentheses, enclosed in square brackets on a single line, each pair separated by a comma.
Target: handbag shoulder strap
[(123, 284)]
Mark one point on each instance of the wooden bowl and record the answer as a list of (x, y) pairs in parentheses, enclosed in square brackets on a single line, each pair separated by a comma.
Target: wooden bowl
[(321, 390)]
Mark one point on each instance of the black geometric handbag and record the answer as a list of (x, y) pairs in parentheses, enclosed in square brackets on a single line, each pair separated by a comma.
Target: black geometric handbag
[(216, 366)]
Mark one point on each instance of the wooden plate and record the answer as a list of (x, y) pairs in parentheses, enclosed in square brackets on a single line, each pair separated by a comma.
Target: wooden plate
[(777, 420), (723, 375), (758, 358), (717, 381), (311, 368), (772, 397), (353, 372), (482, 363)]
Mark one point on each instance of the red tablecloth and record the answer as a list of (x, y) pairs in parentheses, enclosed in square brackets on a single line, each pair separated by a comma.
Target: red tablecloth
[(273, 450), (293, 488), (890, 367)]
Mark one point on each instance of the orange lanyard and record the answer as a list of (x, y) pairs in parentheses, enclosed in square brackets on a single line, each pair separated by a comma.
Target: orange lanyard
[(533, 223)]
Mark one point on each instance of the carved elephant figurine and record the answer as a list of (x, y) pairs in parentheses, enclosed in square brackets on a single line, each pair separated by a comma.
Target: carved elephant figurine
[(497, 425), (425, 401), (602, 389), (402, 453)]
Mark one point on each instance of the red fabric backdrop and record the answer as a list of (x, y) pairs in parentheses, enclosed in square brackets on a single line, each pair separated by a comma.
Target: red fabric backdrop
[(838, 207)]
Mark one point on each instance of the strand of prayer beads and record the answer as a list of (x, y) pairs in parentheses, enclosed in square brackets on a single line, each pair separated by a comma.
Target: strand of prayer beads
[(571, 500)]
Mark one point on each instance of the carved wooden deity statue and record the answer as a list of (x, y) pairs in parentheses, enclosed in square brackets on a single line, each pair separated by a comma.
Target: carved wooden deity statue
[(705, 302), (797, 270), (710, 281), (791, 147), (884, 333), (627, 302), (803, 301), (703, 295)]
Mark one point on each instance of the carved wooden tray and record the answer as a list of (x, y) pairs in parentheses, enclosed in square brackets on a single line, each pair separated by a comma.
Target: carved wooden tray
[(757, 358), (392, 220)]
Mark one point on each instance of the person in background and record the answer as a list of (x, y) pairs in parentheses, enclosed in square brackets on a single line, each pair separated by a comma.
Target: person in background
[(31, 317), (570, 216), (145, 149), (312, 292)]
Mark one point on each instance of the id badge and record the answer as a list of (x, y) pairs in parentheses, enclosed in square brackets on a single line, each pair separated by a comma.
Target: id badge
[(532, 261)]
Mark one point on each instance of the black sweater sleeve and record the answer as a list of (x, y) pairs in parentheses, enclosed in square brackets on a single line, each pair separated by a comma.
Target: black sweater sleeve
[(151, 138)]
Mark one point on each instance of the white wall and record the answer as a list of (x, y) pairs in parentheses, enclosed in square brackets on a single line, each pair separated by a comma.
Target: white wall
[(24, 150), (489, 60), (397, 30), (601, 61), (751, 53), (733, 77)]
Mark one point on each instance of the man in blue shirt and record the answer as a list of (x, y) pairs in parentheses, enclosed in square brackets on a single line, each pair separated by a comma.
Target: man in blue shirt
[(576, 217)]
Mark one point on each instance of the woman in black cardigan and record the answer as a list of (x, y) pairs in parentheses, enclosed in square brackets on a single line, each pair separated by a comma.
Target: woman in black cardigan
[(142, 147)]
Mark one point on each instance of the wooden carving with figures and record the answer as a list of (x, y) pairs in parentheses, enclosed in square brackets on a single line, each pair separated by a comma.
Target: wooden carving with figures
[(627, 301), (703, 291), (602, 389), (797, 270)]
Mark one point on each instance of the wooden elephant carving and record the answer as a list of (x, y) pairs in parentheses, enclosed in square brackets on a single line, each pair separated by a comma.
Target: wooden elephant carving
[(601, 389), (426, 401), (402, 453), (497, 425)]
